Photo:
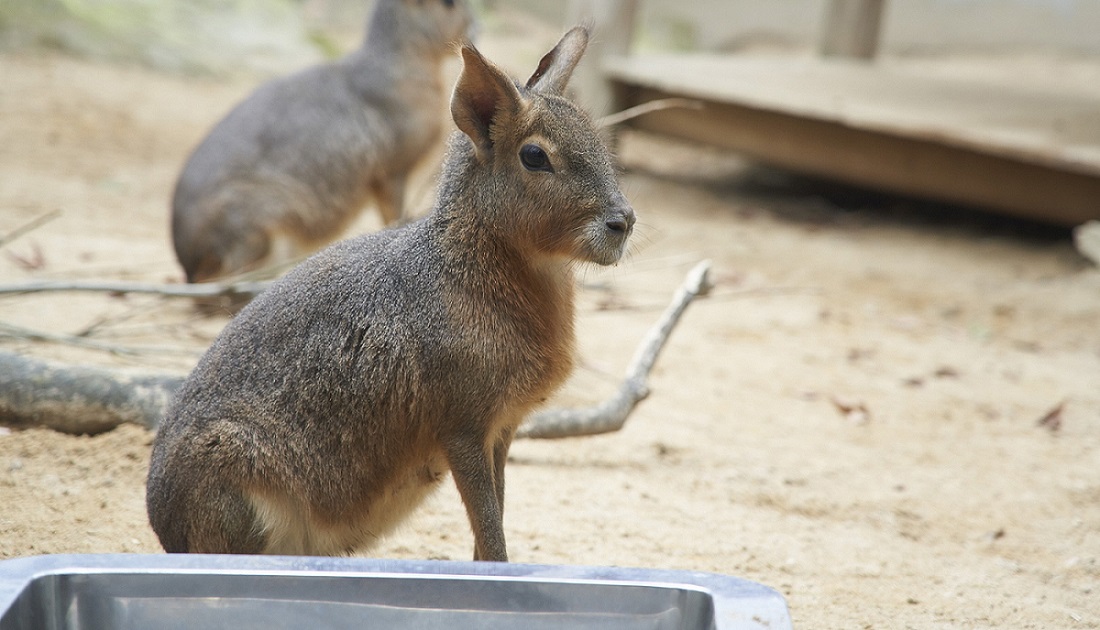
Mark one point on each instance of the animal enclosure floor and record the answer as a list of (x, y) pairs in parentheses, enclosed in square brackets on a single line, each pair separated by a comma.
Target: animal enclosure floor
[(851, 416), (1027, 145)]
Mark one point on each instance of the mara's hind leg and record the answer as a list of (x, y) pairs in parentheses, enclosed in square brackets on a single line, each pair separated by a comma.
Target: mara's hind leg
[(238, 229), (225, 523)]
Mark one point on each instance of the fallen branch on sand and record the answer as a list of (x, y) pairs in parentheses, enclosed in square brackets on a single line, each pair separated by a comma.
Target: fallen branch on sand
[(89, 400), (80, 341), (79, 399), (648, 108), (204, 290), (30, 226), (611, 414)]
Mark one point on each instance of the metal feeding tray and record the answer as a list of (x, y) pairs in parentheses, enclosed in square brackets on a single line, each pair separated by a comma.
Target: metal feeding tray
[(176, 592)]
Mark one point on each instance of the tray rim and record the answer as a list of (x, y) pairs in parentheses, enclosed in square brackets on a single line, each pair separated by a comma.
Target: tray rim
[(738, 603)]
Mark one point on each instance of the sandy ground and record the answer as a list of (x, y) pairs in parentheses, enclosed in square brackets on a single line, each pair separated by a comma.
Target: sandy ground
[(852, 415)]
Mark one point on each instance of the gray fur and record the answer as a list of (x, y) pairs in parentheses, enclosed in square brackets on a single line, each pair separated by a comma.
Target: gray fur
[(289, 168), (339, 398)]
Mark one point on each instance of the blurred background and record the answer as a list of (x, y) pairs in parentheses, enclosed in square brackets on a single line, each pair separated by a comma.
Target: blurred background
[(222, 35), (990, 104)]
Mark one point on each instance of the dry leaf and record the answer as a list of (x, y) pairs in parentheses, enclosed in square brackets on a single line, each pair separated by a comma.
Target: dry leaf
[(946, 371), (1052, 420), (32, 262), (854, 410)]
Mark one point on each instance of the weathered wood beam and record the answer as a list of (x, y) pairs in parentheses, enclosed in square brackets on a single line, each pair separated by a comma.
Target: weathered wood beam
[(925, 167), (850, 28)]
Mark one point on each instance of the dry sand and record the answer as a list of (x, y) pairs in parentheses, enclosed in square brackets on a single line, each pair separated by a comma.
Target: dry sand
[(850, 417)]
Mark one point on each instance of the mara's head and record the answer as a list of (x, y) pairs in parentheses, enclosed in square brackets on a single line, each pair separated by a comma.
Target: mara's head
[(433, 25), (538, 162)]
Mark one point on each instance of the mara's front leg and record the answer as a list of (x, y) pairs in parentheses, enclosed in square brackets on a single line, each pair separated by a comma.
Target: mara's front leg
[(472, 467), (500, 457)]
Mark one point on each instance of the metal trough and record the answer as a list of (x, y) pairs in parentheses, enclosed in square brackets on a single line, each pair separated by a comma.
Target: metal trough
[(168, 592)]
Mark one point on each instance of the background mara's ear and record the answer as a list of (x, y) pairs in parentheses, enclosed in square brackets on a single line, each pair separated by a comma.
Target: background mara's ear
[(557, 66), (484, 96)]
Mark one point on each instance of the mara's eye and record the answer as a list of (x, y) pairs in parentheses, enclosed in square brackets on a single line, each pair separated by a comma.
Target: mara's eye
[(534, 158), (448, 3)]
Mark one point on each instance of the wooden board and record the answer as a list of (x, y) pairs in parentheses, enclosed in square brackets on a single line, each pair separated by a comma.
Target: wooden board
[(1029, 152)]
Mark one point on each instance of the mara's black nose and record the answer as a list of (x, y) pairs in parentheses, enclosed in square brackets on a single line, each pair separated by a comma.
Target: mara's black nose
[(622, 220)]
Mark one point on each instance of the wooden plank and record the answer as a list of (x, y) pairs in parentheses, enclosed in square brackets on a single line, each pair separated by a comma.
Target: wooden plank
[(882, 160), (851, 28), (1058, 128), (1032, 153)]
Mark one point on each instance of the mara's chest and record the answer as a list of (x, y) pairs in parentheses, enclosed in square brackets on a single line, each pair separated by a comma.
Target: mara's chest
[(520, 343)]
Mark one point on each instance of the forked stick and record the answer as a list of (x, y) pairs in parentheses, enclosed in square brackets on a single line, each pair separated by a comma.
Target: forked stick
[(611, 414), (82, 399), (211, 289)]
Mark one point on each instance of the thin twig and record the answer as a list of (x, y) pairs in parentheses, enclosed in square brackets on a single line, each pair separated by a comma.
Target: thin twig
[(31, 225), (647, 108), (105, 320), (212, 289), (611, 414), (18, 332)]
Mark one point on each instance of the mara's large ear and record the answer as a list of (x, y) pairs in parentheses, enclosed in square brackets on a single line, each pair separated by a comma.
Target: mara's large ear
[(484, 96), (557, 66)]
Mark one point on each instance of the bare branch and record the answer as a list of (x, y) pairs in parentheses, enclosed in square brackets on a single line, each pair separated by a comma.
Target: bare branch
[(646, 108), (212, 289), (33, 224), (79, 399), (18, 332), (82, 399), (611, 414)]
